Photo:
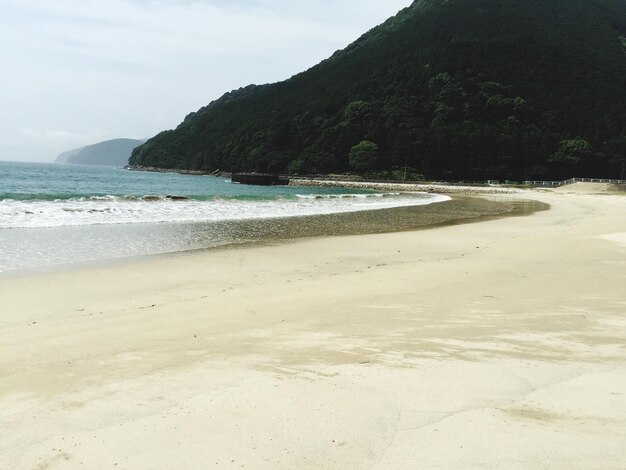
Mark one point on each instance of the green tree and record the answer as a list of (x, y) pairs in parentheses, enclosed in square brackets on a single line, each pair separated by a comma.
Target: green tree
[(573, 155), (616, 149), (296, 167), (572, 151), (364, 156), (358, 111)]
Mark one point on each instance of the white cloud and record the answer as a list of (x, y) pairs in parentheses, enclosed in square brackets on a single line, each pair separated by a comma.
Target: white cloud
[(90, 65)]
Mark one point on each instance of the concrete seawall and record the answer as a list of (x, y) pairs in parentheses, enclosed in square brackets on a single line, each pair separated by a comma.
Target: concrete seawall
[(406, 187)]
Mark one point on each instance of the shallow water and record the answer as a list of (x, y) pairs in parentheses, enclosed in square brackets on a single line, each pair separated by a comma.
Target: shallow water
[(41, 247), (40, 195), (57, 214)]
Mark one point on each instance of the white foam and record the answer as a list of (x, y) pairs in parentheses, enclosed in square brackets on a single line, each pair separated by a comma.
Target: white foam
[(114, 210)]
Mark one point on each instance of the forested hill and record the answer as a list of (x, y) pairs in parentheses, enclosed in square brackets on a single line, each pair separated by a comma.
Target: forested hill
[(458, 89)]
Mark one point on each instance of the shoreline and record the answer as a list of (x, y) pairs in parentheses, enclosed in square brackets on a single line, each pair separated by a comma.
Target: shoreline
[(490, 345), (441, 188), (152, 169), (457, 209)]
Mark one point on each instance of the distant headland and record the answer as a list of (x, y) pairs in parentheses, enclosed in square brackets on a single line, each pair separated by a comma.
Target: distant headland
[(115, 152)]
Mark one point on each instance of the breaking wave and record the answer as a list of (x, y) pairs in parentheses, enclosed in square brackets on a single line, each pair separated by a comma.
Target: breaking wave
[(107, 210)]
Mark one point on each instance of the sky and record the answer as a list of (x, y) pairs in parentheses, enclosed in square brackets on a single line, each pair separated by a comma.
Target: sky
[(77, 72)]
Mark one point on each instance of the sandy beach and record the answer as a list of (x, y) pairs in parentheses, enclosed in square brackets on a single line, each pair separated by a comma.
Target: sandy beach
[(497, 344)]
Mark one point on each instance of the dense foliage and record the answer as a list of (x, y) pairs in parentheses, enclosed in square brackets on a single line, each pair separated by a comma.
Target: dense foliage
[(364, 156), (457, 89)]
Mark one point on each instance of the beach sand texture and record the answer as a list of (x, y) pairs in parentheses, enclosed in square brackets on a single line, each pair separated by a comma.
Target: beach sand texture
[(498, 344)]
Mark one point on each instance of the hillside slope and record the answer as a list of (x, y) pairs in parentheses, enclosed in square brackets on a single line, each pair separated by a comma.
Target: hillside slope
[(465, 89), (65, 156), (114, 152)]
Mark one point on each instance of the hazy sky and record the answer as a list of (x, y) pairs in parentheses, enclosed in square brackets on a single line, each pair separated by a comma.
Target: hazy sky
[(76, 72)]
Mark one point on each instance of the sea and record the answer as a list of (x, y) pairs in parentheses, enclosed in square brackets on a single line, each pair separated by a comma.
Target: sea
[(54, 215)]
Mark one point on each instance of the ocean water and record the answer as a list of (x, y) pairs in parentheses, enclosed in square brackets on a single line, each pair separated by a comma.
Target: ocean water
[(56, 214)]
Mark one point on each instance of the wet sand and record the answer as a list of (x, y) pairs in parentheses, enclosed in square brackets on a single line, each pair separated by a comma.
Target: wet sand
[(497, 344), (44, 249)]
